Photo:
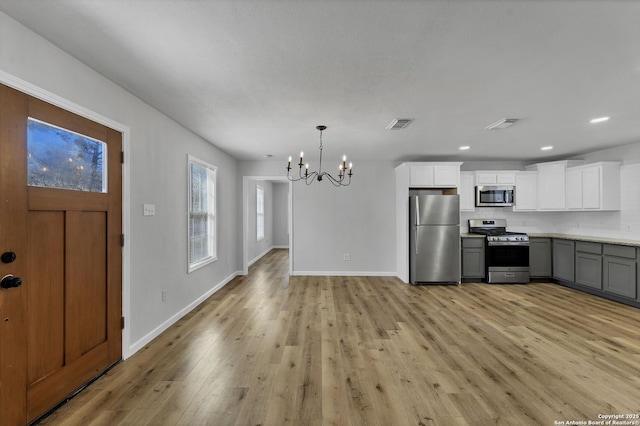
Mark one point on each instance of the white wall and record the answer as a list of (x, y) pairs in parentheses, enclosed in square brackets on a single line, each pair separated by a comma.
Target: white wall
[(156, 173), (280, 215), (329, 222)]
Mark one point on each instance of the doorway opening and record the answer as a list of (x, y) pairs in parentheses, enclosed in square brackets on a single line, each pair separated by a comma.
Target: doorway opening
[(278, 215)]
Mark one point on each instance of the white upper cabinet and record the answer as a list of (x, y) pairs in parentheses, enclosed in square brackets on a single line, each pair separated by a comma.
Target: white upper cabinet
[(552, 194), (526, 191), (499, 177), (467, 192), (594, 186), (574, 188), (434, 175), (421, 176)]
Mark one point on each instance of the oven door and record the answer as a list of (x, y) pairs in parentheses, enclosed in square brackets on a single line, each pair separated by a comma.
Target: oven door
[(507, 263)]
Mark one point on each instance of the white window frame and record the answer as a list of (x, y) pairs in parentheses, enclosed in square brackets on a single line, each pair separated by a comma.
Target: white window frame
[(259, 213), (211, 223)]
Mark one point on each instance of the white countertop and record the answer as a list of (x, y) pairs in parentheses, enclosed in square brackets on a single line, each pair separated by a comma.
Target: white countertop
[(602, 240)]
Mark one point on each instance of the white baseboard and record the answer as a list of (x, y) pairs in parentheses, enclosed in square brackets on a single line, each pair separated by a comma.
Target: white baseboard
[(255, 259), (281, 247), (346, 273), (168, 323)]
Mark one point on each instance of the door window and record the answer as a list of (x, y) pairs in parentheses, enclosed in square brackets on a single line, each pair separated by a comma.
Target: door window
[(60, 158)]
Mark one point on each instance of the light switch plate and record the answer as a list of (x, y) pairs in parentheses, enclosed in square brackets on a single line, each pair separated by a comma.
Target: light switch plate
[(149, 210)]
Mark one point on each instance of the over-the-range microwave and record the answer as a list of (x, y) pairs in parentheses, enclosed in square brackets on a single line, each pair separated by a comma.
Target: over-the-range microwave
[(495, 196)]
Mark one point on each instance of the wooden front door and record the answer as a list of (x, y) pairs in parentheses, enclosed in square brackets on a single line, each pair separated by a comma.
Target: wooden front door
[(60, 216)]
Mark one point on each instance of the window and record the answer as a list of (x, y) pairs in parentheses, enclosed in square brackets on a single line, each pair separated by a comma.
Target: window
[(259, 212), (202, 213), (62, 159)]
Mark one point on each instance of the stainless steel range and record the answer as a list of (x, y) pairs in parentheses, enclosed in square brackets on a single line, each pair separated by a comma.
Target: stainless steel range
[(506, 253)]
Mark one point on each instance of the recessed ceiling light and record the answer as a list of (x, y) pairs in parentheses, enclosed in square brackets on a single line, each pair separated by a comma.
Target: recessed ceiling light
[(503, 123), (464, 148), (546, 148), (598, 120)]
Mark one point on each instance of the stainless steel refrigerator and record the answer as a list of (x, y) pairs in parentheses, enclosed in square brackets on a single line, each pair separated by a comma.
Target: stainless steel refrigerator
[(434, 239)]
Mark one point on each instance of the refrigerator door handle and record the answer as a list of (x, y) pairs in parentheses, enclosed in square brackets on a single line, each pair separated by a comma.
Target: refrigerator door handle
[(416, 231), (417, 214)]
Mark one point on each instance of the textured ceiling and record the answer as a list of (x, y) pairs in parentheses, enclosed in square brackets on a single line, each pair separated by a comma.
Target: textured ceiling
[(255, 77)]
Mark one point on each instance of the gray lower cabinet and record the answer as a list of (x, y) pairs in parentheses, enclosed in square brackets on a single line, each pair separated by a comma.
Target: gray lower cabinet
[(589, 264), (473, 258), (620, 271), (563, 259), (607, 270), (540, 257)]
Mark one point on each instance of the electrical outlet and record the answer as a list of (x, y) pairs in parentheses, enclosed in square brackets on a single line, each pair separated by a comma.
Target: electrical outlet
[(164, 295), (149, 210), (346, 257)]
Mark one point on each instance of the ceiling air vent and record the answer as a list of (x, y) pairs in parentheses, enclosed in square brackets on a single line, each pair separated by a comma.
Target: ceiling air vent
[(399, 123), (503, 123)]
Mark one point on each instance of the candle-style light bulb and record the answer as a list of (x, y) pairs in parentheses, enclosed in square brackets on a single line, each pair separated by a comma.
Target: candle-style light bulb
[(289, 165)]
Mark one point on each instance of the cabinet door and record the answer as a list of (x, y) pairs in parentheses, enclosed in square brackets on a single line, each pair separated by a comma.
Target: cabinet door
[(446, 176), (473, 258), (574, 189), (591, 180), (563, 260), (486, 178), (620, 276), (473, 263), (421, 175), (466, 190), (506, 178), (526, 191), (540, 257), (551, 187), (589, 270), (495, 178)]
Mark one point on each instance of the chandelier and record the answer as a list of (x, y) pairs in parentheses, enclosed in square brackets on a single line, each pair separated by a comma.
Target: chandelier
[(320, 175)]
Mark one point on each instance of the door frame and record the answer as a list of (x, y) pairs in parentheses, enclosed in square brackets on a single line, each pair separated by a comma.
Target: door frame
[(246, 233), (42, 94)]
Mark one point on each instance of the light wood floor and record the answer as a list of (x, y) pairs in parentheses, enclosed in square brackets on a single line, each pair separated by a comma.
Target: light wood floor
[(269, 349)]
